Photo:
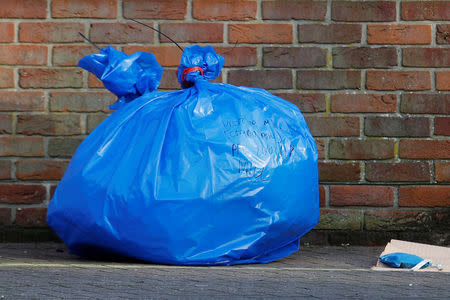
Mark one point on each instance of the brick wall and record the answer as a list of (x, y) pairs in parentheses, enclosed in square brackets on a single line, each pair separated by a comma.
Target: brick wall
[(371, 77)]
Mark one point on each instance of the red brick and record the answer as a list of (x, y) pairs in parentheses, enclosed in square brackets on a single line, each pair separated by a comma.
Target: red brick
[(425, 103), (321, 197), (49, 124), (437, 195), (361, 195), (399, 34), (260, 33), (350, 103), (5, 216), (443, 80), (23, 55), (24, 9), (373, 11), (155, 9), (21, 146), (31, 217), (398, 80), (267, 79), (50, 78), (396, 172), (20, 193), (294, 57), (169, 80), (93, 120), (238, 56), (81, 101), (410, 148), (121, 33), (54, 32), (102, 9), (21, 101), (192, 32), (397, 126), (394, 220), (52, 190), (5, 123), (167, 56), (320, 144), (70, 55), (443, 34), (5, 169), (361, 149), (328, 80), (40, 169), (329, 34), (425, 10), (442, 125), (63, 146), (442, 171), (426, 57), (6, 32), (306, 102), (296, 10), (333, 126), (6, 77), (339, 172), (94, 82), (336, 219), (364, 57), (224, 10)]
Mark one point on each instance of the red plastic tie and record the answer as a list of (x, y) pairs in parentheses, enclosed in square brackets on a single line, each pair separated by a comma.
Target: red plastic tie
[(187, 71)]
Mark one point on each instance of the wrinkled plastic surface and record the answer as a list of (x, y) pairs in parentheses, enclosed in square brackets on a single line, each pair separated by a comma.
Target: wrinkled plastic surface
[(402, 260), (209, 175)]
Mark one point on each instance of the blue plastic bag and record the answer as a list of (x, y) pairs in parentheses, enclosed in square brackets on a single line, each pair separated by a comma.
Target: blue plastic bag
[(402, 260), (212, 174)]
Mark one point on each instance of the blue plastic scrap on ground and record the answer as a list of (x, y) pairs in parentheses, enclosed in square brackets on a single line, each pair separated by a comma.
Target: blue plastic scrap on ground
[(212, 174)]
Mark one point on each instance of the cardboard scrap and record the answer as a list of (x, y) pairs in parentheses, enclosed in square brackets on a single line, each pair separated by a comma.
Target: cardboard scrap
[(439, 255)]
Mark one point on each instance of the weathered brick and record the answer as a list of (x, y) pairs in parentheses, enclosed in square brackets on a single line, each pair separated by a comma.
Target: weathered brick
[(333, 126), (54, 32), (49, 124), (364, 57), (167, 56), (6, 32), (320, 144), (24, 9), (349, 103), (260, 33), (94, 82), (268, 79), (52, 190), (398, 80), (21, 101), (442, 125), (81, 101), (5, 216), (425, 195), (21, 146), (372, 11), (6, 77), (425, 10), (306, 102), (426, 57), (328, 80), (397, 172), (361, 149), (63, 147), (238, 56), (399, 34), (390, 220), (192, 32), (411, 148), (23, 55), (50, 78), (443, 34), (5, 123), (93, 120), (294, 57), (329, 34), (361, 195), (321, 197), (442, 171), (397, 126), (121, 33), (339, 172), (224, 10), (5, 169), (155, 9), (40, 169), (70, 55), (443, 80), (31, 217), (22, 193), (340, 219), (169, 80), (102, 9), (296, 10), (425, 103)]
